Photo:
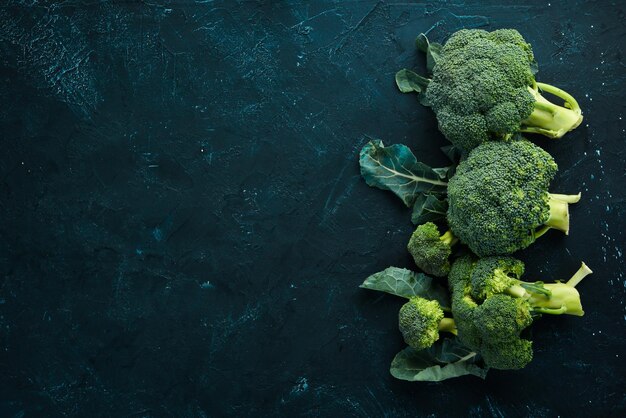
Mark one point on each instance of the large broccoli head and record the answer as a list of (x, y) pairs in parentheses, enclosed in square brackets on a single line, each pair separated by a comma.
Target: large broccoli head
[(483, 88), (499, 201)]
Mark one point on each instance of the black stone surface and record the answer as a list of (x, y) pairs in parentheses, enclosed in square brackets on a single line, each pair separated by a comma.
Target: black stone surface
[(183, 228)]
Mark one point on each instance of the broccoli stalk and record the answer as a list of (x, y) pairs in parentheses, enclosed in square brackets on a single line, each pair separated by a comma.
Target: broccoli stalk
[(563, 297), (559, 213), (549, 119), (448, 238), (447, 325), (545, 298)]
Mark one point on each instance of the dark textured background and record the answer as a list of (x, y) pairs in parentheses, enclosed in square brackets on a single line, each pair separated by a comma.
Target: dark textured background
[(183, 228)]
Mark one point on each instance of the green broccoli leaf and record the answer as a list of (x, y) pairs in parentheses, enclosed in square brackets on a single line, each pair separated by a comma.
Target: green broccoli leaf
[(444, 172), (446, 359), (409, 82), (395, 168), (406, 283), (432, 51), (428, 208)]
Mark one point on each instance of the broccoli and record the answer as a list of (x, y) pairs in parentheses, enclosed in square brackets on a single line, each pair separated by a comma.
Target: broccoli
[(509, 355), (491, 306), (421, 320), (499, 201), (483, 88), (431, 250), (463, 306), (501, 317), (500, 275)]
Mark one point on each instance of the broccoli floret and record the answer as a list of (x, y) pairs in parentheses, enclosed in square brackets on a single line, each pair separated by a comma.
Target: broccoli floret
[(491, 306), (498, 199), (431, 250), (483, 88), (508, 355), (502, 317), (496, 275), (460, 274), (421, 320), (500, 276), (463, 306)]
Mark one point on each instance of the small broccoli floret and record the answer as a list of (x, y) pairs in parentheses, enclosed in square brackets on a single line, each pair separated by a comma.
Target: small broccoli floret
[(463, 306), (492, 306), (431, 250), (421, 320), (502, 317), (499, 201), (496, 275), (459, 279), (483, 88), (508, 355)]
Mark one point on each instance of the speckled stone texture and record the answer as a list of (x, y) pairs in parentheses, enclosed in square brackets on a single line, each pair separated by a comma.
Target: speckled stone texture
[(183, 228)]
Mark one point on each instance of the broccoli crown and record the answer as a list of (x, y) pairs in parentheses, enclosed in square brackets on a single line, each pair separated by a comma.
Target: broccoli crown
[(419, 320), (495, 275), (429, 250), (515, 353), (502, 318), (479, 89), (499, 196)]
